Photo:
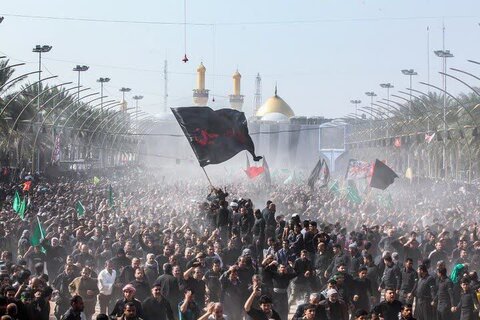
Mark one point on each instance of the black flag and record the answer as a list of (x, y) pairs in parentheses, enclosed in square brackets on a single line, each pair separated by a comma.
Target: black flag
[(315, 174), (382, 176), (215, 136)]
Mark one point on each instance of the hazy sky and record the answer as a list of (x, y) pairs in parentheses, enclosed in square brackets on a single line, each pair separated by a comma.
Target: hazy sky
[(321, 53)]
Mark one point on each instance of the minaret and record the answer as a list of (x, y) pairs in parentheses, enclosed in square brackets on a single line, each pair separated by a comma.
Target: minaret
[(200, 95), (236, 99), (258, 94)]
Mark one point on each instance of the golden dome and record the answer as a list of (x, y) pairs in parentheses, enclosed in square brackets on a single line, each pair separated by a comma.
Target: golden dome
[(275, 104)]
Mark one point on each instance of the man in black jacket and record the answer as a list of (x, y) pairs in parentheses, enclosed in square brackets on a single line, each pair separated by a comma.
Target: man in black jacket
[(76, 308), (390, 308), (223, 220), (169, 287), (157, 307)]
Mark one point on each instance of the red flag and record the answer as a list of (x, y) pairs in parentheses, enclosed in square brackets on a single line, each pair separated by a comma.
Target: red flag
[(253, 172), (27, 185)]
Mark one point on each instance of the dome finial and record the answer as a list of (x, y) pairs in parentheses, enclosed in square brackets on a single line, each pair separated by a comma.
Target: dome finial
[(275, 89)]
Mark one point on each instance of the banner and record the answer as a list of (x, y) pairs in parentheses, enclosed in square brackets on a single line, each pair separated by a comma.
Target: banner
[(358, 169)]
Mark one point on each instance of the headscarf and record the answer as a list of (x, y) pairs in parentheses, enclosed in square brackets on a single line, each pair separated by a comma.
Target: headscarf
[(456, 273)]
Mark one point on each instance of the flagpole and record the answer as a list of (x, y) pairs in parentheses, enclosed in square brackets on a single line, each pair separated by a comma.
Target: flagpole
[(208, 178)]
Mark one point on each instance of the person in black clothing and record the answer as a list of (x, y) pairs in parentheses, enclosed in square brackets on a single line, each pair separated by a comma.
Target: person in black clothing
[(335, 308), (156, 307), (140, 284), (170, 288), (281, 278), (61, 283), (246, 222), (304, 269), (232, 293), (212, 281), (409, 277), (193, 280), (128, 296), (258, 231), (223, 220), (468, 302), (356, 258), (392, 277), (424, 292), (443, 300), (390, 308), (362, 290), (76, 308), (55, 255), (270, 222), (265, 312)]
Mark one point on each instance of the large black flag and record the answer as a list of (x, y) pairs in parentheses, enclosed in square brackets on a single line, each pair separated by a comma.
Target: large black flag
[(382, 176), (215, 136), (315, 174)]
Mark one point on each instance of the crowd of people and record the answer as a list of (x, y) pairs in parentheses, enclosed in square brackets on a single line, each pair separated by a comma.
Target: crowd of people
[(148, 248)]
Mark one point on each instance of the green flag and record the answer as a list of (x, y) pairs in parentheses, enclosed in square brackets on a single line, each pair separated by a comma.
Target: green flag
[(110, 196), (352, 193), (16, 202), (38, 234), (96, 180), (22, 209), (334, 188), (80, 209)]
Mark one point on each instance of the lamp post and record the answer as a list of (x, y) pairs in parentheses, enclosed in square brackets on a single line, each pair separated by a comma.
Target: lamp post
[(1, 19), (79, 69), (356, 103), (410, 73), (102, 81), (444, 54), (40, 49), (371, 94), (136, 98), (387, 86)]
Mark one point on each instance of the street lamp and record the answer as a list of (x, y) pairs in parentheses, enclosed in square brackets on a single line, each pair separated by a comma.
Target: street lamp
[(102, 81), (356, 103), (79, 69), (444, 54), (40, 49), (387, 86), (136, 98), (410, 73), (371, 94), (1, 19), (123, 90)]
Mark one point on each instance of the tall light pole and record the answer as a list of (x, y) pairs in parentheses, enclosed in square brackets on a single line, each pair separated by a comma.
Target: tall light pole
[(102, 81), (410, 73), (123, 90), (387, 86), (444, 54), (371, 94), (79, 69), (136, 98), (40, 49), (356, 103)]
